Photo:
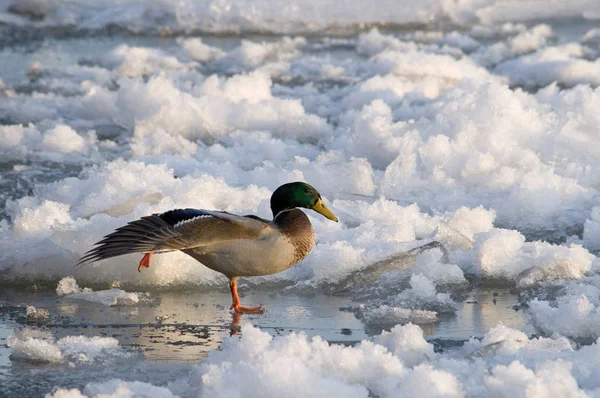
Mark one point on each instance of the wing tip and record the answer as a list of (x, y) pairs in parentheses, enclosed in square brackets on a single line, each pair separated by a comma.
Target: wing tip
[(87, 258)]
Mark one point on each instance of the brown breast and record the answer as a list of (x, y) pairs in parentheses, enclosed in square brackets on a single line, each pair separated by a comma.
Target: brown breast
[(296, 226)]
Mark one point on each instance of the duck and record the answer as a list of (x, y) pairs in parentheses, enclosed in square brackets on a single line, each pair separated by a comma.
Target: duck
[(234, 245)]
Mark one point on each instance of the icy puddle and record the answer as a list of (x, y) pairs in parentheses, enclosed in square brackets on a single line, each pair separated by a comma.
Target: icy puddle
[(160, 339)]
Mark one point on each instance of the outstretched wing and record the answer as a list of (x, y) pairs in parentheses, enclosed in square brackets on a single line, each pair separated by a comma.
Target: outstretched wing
[(177, 230)]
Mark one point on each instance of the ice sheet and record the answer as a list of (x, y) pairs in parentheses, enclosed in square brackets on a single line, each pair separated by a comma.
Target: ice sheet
[(456, 142), (265, 15)]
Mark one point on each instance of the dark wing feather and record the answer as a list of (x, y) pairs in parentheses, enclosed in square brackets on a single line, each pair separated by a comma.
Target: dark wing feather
[(176, 230), (173, 217)]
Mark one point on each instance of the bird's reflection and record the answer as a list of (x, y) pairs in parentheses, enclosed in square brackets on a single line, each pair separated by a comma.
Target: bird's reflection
[(235, 324)]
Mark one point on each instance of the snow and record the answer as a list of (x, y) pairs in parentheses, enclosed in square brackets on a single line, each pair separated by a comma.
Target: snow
[(115, 388), (591, 230), (294, 16), (516, 380), (37, 315), (196, 49), (572, 311), (398, 363), (69, 289), (67, 285), (407, 342), (63, 139), (473, 124), (385, 315), (111, 297), (564, 64), (60, 143), (419, 139), (505, 254), (69, 349)]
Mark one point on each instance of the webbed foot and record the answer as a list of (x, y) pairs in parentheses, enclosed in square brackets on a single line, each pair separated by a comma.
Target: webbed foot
[(250, 310), (145, 261), (236, 305)]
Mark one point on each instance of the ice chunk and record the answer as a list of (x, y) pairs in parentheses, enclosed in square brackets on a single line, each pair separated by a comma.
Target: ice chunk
[(111, 297), (63, 139), (35, 349), (118, 388), (496, 253), (69, 288), (59, 143), (41, 220), (77, 349), (408, 343), (591, 231), (549, 262), (515, 380), (139, 61), (115, 388), (217, 107), (63, 393), (199, 51), (526, 41), (37, 315), (251, 54), (462, 41), (385, 315), (554, 64), (504, 254), (67, 285), (470, 222), (574, 316), (431, 265)]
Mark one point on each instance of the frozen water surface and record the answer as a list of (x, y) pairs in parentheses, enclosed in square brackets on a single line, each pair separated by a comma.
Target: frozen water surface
[(161, 339), (456, 142)]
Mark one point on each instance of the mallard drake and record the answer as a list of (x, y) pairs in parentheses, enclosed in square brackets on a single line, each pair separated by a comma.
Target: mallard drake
[(228, 243)]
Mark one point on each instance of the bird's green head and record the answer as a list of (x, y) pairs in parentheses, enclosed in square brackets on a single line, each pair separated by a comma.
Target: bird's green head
[(299, 194)]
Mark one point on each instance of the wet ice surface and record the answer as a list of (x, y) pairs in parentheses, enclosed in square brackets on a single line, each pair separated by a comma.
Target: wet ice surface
[(162, 340), (456, 142)]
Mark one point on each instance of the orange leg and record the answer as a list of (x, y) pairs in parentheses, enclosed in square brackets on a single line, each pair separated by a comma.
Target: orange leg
[(145, 261), (236, 305)]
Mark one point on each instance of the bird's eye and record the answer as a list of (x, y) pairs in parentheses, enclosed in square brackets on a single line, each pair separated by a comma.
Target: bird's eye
[(306, 191)]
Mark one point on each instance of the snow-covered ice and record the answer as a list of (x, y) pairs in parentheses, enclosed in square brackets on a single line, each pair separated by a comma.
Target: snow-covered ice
[(69, 288), (70, 349), (469, 127), (399, 363)]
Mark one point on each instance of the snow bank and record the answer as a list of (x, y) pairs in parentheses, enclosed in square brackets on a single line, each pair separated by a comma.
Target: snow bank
[(125, 190), (399, 363), (445, 131), (481, 137), (470, 148)]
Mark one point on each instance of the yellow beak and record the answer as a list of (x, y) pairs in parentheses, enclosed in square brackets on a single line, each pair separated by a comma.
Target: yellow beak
[(320, 208)]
